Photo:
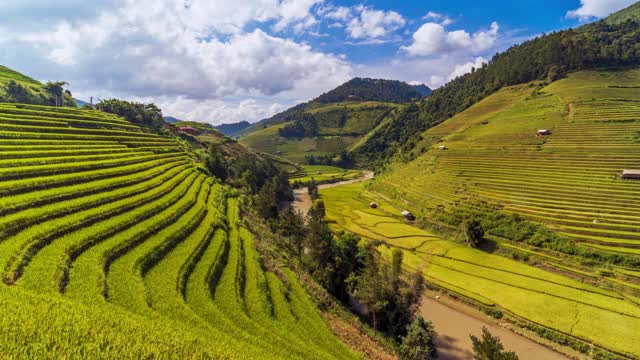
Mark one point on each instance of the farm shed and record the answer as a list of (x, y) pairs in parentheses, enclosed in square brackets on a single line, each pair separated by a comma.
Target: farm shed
[(188, 130), (373, 205), (543, 132), (631, 174), (407, 215), (442, 148)]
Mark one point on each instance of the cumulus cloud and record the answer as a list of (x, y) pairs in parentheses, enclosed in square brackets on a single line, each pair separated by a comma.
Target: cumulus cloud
[(341, 13), (462, 69), (590, 9), (143, 49), (373, 24), (218, 112), (433, 39), (440, 18)]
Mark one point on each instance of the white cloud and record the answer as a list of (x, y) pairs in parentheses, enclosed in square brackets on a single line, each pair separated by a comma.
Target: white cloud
[(462, 69), (590, 9), (291, 11), (190, 59), (134, 50), (341, 13), (217, 112), (440, 18), (372, 24), (433, 39)]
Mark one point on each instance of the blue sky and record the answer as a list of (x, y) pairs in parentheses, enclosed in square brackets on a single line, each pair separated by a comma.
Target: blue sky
[(229, 60)]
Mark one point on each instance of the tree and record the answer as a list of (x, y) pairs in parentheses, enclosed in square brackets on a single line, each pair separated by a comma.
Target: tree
[(490, 348), (312, 189), (17, 93), (319, 246), (266, 200), (56, 91), (216, 162), (418, 344), (347, 264), (371, 288), (474, 232), (292, 226), (143, 114)]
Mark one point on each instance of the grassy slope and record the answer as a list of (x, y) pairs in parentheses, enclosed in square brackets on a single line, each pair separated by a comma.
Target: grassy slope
[(115, 246), (565, 181), (333, 136), (32, 85), (577, 190)]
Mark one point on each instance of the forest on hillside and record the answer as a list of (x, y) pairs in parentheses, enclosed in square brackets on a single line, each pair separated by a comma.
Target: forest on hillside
[(547, 58)]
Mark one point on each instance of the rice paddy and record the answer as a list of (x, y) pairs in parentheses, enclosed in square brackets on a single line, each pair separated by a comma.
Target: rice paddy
[(113, 245), (594, 314), (569, 181)]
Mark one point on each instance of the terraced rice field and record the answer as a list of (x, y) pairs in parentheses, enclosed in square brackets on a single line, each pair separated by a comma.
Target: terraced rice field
[(323, 173), (113, 245), (596, 315), (569, 180)]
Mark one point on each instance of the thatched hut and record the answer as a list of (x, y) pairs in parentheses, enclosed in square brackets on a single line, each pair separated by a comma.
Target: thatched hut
[(631, 174), (407, 215), (373, 205), (544, 132)]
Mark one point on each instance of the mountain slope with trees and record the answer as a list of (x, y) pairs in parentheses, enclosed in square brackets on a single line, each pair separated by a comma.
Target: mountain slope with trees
[(612, 42)]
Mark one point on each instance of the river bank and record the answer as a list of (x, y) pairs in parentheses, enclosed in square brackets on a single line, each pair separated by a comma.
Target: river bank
[(454, 320)]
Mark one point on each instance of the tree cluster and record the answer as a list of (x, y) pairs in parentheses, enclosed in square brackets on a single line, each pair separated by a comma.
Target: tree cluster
[(256, 175), (362, 89), (302, 125), (546, 58), (53, 94), (137, 113)]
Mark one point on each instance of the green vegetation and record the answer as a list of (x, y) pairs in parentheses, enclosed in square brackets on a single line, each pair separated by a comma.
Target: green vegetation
[(141, 114), (318, 130), (490, 348), (322, 174), (18, 88), (608, 43), (418, 344), (503, 286), (117, 244)]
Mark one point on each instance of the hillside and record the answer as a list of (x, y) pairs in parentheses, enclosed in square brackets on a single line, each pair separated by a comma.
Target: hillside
[(115, 245), (19, 88), (605, 43), (354, 91), (557, 202), (363, 89), (321, 130), (232, 129)]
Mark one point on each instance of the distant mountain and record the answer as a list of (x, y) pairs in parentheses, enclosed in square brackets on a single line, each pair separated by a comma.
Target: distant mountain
[(362, 89), (171, 119), (356, 90), (80, 103), (423, 89), (231, 129)]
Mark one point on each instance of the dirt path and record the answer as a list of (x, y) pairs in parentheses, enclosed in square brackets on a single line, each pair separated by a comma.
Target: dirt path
[(302, 201), (454, 327)]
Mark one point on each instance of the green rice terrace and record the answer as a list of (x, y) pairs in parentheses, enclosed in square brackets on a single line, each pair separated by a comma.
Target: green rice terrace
[(114, 245), (492, 160)]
